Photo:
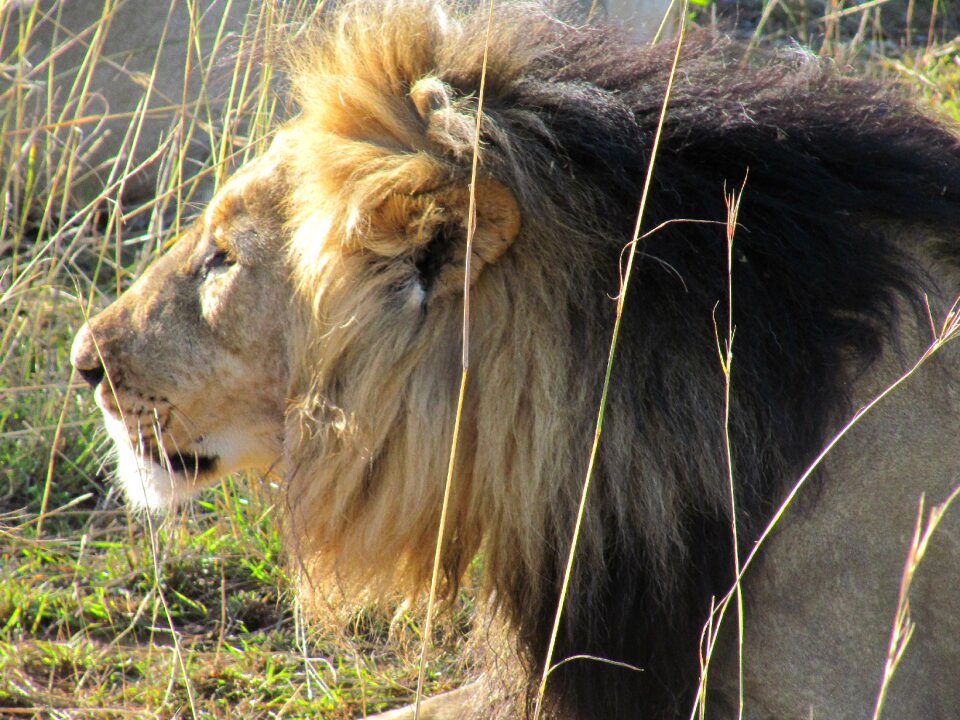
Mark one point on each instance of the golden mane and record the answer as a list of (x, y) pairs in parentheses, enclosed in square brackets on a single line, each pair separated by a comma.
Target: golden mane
[(385, 147)]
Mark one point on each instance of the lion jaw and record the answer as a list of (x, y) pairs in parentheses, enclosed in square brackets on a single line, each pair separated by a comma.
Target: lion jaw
[(146, 483), (160, 475), (155, 473)]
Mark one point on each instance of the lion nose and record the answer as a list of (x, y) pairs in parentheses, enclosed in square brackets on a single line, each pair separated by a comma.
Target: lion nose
[(85, 357), (92, 375)]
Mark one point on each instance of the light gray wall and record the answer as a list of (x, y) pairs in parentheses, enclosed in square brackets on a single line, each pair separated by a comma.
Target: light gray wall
[(115, 55)]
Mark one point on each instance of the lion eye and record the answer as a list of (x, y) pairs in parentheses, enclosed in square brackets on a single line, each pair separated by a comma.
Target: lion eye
[(221, 258)]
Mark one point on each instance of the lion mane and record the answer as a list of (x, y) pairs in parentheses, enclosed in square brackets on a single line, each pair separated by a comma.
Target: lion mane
[(380, 161)]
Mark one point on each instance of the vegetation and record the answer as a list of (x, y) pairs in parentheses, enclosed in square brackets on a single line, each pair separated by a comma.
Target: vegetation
[(104, 613)]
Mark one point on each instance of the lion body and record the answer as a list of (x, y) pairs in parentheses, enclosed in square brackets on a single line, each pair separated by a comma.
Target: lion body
[(355, 221), (819, 622)]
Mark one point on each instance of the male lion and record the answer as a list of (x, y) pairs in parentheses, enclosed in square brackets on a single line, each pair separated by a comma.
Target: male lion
[(310, 322)]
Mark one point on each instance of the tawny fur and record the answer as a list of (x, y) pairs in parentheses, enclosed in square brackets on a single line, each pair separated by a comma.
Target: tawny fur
[(849, 217)]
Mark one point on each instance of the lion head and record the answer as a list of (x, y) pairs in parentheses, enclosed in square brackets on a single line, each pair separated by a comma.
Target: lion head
[(311, 321), (190, 381)]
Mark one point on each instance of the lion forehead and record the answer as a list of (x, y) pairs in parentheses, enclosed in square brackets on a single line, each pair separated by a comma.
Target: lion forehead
[(248, 214)]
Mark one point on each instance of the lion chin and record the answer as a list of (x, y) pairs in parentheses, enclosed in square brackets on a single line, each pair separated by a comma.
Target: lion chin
[(155, 479)]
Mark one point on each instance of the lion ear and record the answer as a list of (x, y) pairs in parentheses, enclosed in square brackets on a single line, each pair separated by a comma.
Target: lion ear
[(428, 231), (428, 95)]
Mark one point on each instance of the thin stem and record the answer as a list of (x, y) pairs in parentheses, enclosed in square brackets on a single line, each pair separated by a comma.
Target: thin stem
[(624, 286), (471, 230)]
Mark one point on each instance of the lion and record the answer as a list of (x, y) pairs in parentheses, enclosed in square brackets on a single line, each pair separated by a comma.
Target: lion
[(310, 323)]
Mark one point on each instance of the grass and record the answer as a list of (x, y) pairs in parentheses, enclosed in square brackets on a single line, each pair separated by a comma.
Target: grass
[(104, 615), (108, 614)]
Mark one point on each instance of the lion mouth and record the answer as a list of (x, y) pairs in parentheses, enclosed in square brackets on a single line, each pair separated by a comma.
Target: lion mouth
[(190, 464)]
